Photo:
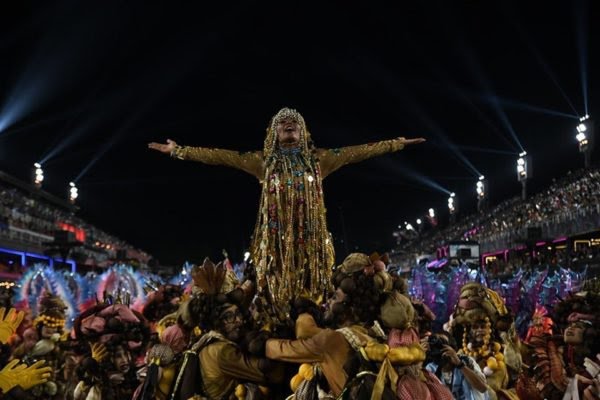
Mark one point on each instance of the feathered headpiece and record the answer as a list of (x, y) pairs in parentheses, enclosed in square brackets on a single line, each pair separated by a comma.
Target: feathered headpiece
[(122, 284), (213, 279), (541, 324), (214, 288), (35, 287)]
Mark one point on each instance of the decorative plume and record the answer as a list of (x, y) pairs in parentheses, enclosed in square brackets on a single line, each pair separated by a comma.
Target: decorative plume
[(41, 280), (122, 284), (209, 277)]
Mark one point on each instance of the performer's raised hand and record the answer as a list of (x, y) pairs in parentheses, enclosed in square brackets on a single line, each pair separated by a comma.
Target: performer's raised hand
[(163, 148), (407, 142), (16, 374), (9, 323)]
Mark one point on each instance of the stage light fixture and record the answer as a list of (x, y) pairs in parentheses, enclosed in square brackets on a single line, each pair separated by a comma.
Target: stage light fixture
[(38, 175), (585, 137), (524, 171), (452, 203), (73, 192), (481, 189)]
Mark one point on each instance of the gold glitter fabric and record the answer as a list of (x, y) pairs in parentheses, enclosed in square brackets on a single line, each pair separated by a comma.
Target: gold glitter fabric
[(291, 246)]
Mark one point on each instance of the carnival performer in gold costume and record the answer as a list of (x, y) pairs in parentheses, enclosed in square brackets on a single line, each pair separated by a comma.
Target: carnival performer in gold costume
[(291, 246)]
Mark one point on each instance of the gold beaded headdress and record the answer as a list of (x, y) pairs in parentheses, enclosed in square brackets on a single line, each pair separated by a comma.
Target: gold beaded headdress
[(52, 311), (271, 139)]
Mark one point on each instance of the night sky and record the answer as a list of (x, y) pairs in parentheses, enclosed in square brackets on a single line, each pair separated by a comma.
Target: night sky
[(84, 86)]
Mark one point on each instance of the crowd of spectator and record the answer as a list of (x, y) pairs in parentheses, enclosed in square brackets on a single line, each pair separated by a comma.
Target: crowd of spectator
[(570, 206), (31, 220)]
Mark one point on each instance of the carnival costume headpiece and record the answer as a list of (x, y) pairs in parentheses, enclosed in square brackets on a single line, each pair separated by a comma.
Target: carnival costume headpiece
[(364, 288), (215, 287), (271, 139), (541, 323), (112, 324), (477, 303), (52, 311)]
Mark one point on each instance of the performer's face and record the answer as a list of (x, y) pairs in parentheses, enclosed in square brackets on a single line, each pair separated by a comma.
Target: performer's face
[(478, 332), (47, 331), (288, 132), (333, 306), (122, 359), (574, 333), (232, 322)]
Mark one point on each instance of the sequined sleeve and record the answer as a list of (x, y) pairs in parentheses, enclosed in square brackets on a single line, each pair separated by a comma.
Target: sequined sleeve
[(250, 162), (333, 159)]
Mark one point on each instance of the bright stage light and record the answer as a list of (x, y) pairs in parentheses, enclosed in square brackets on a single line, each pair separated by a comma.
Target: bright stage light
[(419, 222), (523, 167), (585, 137), (38, 175), (524, 172), (409, 227), (481, 189), (452, 203), (431, 213), (73, 192)]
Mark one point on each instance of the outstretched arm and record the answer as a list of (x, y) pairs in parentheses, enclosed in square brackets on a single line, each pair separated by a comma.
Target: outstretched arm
[(250, 162), (333, 159)]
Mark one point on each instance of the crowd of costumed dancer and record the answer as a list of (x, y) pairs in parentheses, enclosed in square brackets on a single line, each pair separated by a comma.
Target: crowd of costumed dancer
[(204, 334), (290, 324)]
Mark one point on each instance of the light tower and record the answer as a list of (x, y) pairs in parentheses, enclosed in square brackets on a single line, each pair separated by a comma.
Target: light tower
[(432, 218), (431, 213), (452, 207), (38, 175), (585, 138), (524, 172), (482, 193), (73, 192)]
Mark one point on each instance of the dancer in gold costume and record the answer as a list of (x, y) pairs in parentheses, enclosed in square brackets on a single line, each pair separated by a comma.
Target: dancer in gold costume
[(291, 247)]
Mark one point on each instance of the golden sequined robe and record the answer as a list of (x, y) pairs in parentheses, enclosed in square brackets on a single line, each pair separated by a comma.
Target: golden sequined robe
[(291, 246), (223, 366), (326, 347)]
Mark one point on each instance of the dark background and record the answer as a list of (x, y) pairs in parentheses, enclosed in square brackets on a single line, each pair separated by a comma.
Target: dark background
[(85, 85)]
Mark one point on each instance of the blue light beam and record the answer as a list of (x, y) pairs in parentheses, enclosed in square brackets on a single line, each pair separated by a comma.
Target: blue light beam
[(389, 81), (545, 67), (477, 71), (581, 29)]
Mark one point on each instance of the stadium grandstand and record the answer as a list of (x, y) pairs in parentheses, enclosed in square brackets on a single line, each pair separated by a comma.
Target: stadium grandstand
[(558, 225), (36, 226)]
